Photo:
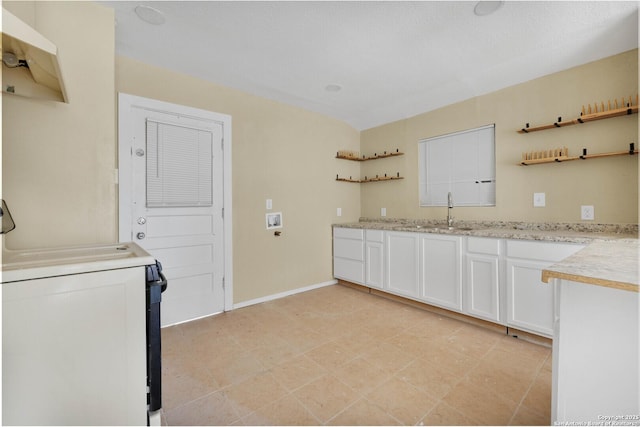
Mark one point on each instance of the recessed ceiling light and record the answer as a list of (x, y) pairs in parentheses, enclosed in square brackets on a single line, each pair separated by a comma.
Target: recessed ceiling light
[(150, 15), (487, 7), (333, 88)]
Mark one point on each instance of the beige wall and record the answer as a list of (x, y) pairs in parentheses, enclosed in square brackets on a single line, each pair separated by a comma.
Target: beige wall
[(609, 184), (281, 153), (58, 160)]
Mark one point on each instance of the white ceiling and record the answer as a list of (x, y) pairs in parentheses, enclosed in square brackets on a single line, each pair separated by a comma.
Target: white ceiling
[(393, 59)]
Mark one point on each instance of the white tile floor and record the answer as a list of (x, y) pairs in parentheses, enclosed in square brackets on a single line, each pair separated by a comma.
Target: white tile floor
[(338, 356)]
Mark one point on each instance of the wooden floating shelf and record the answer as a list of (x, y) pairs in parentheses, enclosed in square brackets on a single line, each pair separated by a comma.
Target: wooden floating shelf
[(560, 159), (361, 181), (365, 158), (625, 111), (355, 156), (608, 114)]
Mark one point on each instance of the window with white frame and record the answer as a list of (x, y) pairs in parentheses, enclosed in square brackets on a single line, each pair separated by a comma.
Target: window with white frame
[(461, 163)]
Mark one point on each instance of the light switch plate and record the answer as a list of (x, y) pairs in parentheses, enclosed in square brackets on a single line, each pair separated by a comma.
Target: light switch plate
[(587, 212), (339, 212), (269, 204), (539, 200), (383, 211)]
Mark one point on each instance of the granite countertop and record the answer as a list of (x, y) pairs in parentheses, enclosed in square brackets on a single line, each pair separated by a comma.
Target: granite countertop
[(610, 258), (609, 263), (583, 233)]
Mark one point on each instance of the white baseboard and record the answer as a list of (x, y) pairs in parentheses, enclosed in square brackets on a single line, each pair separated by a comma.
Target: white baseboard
[(283, 294)]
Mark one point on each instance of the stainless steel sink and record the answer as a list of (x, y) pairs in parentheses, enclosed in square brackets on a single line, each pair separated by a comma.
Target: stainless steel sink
[(436, 228)]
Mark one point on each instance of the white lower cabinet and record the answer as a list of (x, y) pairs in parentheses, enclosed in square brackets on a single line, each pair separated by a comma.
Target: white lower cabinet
[(374, 258), (498, 280), (482, 283), (530, 304), (348, 254), (441, 270), (402, 263)]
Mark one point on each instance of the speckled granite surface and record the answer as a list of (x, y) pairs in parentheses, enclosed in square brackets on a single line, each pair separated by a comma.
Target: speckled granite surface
[(612, 263), (583, 233)]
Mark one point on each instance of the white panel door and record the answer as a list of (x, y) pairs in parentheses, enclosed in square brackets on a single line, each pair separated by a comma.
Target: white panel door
[(176, 206)]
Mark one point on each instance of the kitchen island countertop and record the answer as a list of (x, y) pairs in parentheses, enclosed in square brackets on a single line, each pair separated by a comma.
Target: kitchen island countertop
[(611, 263)]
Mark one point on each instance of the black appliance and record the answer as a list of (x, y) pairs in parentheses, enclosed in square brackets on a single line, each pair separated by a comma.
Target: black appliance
[(156, 283), (6, 222)]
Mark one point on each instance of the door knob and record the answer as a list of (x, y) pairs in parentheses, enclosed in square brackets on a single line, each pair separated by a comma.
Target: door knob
[(140, 235), (139, 152), (142, 220)]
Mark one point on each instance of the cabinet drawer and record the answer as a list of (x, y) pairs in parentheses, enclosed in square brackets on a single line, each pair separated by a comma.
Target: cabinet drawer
[(543, 251), (375, 236), (482, 245), (347, 269), (348, 233), (347, 248)]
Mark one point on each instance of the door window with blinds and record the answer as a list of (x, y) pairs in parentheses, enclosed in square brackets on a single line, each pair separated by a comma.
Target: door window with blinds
[(461, 163), (179, 166)]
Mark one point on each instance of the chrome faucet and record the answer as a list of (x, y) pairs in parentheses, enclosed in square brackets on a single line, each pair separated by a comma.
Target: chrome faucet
[(450, 206)]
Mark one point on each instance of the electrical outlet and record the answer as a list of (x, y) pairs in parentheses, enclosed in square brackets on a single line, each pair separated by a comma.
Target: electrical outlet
[(539, 200), (339, 212), (587, 212), (383, 211)]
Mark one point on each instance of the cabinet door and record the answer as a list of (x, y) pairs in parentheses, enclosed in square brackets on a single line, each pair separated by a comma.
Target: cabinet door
[(441, 267), (402, 263), (374, 264), (482, 287), (529, 299)]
